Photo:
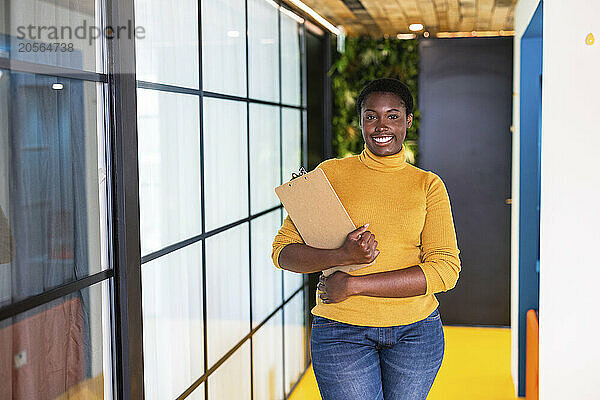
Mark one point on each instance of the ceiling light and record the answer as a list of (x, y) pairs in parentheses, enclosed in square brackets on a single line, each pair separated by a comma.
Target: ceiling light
[(474, 34), (291, 15), (415, 27), (406, 36), (426, 34), (316, 16), (233, 33), (57, 86)]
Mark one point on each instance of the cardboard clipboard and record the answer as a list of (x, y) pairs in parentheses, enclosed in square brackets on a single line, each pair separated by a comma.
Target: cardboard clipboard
[(317, 213)]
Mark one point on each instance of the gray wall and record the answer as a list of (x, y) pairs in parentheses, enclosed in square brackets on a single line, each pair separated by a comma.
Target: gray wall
[(465, 98)]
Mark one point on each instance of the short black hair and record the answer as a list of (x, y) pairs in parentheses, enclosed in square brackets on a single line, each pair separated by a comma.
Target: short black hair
[(386, 85)]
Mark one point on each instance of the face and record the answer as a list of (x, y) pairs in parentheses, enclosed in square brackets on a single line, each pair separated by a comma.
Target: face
[(384, 123)]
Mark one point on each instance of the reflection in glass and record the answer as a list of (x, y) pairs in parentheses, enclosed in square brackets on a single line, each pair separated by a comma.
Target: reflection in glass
[(69, 32), (49, 186), (169, 162), (225, 161), (267, 360), (227, 290), (61, 348), (295, 340), (263, 50), (264, 156), (292, 281), (266, 279), (232, 379), (198, 393), (291, 150), (173, 322), (168, 51), (291, 141), (291, 37), (224, 46)]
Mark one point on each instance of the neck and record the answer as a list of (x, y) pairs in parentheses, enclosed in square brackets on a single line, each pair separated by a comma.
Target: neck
[(393, 162)]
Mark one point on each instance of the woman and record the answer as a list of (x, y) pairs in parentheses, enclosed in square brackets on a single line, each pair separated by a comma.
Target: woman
[(377, 332)]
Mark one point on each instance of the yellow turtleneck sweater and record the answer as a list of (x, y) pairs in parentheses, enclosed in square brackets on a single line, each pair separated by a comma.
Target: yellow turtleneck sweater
[(408, 211)]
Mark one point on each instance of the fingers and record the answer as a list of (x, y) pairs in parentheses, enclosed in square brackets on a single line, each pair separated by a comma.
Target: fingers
[(376, 254), (364, 238), (368, 242), (323, 289), (324, 298), (355, 234), (362, 244)]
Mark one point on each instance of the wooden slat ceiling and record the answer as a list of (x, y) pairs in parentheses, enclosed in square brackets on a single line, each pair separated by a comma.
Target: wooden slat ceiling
[(391, 17)]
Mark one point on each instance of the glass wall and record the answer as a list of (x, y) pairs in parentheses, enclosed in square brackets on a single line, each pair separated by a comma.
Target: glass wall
[(219, 111), (55, 277), (214, 122)]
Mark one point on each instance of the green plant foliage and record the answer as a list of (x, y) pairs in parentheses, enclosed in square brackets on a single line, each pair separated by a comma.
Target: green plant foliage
[(365, 59)]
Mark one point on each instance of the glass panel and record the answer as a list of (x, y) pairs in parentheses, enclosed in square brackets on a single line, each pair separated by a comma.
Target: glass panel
[(232, 379), (53, 32), (173, 322), (291, 282), (291, 144), (291, 152), (169, 160), (268, 360), (224, 46), (263, 62), (266, 279), (49, 184), (225, 161), (264, 156), (198, 393), (167, 52), (291, 38), (295, 344), (227, 290), (61, 348)]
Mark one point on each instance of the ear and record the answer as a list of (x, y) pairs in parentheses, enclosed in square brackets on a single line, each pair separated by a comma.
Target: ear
[(409, 120)]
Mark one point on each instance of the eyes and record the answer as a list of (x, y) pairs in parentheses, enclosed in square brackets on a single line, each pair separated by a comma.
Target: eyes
[(372, 116)]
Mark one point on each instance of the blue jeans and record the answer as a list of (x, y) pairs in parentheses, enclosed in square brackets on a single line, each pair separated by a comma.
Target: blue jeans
[(369, 363)]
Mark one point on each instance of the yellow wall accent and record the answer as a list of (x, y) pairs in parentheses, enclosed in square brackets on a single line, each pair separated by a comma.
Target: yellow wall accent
[(589, 39)]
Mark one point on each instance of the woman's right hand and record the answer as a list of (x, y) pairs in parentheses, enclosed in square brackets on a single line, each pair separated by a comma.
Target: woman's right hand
[(360, 246)]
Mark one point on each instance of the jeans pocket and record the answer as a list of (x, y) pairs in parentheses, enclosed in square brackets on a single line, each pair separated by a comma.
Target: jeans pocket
[(322, 321), (434, 316)]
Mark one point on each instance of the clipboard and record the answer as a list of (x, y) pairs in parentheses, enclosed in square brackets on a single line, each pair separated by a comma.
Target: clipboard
[(317, 213)]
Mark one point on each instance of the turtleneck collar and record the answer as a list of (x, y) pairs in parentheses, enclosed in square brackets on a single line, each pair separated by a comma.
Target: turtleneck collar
[(390, 163)]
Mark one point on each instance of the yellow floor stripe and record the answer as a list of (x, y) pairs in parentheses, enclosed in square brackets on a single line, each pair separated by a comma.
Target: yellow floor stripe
[(476, 366)]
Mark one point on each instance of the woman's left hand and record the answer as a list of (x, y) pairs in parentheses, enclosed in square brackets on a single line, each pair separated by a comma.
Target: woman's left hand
[(334, 288)]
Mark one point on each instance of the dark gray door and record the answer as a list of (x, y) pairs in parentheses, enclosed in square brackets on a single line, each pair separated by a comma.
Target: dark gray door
[(465, 98)]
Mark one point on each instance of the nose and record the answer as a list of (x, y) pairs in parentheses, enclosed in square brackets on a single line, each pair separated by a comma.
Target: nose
[(380, 125)]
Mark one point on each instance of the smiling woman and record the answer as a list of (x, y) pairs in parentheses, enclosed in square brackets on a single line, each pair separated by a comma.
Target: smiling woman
[(360, 343), (386, 110)]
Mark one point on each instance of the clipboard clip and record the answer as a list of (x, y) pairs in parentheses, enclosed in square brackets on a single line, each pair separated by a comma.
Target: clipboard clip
[(301, 172)]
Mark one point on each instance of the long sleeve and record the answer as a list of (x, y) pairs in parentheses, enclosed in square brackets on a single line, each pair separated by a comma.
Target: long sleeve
[(287, 234), (439, 251)]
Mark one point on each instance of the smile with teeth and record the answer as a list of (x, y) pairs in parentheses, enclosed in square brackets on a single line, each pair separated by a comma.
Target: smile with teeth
[(383, 139)]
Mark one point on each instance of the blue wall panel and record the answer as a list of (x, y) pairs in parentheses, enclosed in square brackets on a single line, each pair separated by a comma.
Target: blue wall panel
[(529, 203)]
